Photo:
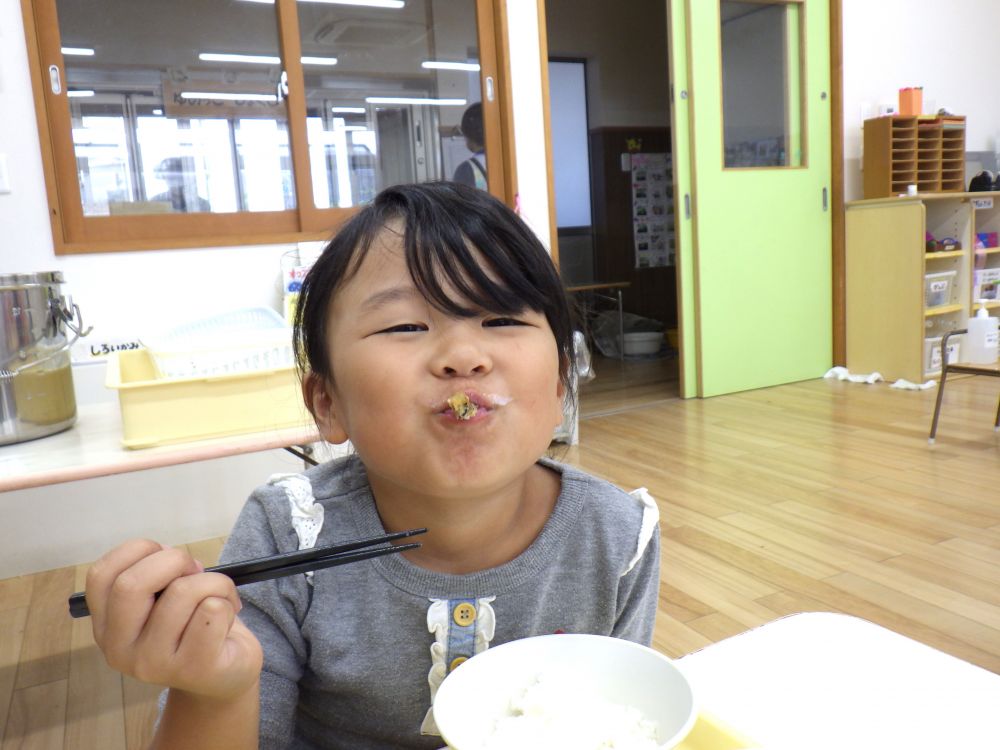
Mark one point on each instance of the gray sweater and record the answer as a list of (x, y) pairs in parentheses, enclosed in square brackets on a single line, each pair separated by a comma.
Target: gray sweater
[(352, 659)]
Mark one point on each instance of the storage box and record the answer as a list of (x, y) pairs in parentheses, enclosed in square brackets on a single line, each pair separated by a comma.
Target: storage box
[(938, 288), (160, 411), (932, 353), (255, 338), (986, 284)]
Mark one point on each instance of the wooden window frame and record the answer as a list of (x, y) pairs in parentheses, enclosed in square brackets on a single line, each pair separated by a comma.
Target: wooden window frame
[(73, 232)]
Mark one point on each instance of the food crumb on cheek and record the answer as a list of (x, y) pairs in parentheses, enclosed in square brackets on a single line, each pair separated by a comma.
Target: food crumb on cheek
[(461, 406)]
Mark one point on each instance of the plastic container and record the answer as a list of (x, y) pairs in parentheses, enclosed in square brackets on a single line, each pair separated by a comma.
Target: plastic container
[(255, 338), (982, 339), (159, 411), (642, 342), (932, 353), (986, 284), (938, 288)]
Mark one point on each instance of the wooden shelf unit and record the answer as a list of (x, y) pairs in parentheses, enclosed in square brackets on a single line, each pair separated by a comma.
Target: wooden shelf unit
[(886, 264), (926, 151)]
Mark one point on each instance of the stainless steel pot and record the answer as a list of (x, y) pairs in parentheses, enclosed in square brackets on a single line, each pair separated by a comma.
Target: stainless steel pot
[(36, 380)]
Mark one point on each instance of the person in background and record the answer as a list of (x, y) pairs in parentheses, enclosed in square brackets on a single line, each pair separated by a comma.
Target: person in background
[(472, 171), (181, 196), (433, 292)]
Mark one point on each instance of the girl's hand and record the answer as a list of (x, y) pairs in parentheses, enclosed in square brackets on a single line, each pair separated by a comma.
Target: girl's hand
[(188, 638)]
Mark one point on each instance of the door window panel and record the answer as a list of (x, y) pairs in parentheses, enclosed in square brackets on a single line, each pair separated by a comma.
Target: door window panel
[(176, 111), (761, 84), (387, 93)]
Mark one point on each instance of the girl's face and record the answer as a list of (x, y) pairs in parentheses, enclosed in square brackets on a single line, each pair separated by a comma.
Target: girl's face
[(396, 360)]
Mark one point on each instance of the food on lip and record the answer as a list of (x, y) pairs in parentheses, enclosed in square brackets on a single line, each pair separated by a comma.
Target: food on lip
[(462, 406)]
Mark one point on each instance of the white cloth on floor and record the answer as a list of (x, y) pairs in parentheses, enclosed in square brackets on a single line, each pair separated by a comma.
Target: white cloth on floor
[(841, 373), (906, 385)]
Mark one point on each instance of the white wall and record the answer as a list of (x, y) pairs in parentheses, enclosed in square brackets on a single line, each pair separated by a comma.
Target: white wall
[(945, 47), (617, 39), (124, 294)]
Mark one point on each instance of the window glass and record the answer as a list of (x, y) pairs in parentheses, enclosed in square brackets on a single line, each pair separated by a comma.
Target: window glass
[(761, 79), (392, 96), (174, 106)]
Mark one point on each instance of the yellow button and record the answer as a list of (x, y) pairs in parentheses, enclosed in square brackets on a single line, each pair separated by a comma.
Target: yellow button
[(464, 614), (457, 661)]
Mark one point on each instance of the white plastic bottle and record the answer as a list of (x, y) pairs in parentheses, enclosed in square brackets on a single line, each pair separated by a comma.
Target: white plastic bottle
[(980, 345)]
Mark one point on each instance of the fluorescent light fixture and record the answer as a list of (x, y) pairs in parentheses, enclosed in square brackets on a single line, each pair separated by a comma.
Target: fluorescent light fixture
[(81, 51), (228, 96), (366, 3), (440, 65), (306, 60), (260, 59), (414, 100), (349, 110), (227, 57), (79, 93)]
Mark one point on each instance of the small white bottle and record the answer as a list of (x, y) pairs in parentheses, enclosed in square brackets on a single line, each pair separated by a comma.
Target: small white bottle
[(980, 345)]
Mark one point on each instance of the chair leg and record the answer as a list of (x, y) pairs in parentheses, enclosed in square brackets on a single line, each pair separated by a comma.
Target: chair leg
[(996, 423), (937, 405)]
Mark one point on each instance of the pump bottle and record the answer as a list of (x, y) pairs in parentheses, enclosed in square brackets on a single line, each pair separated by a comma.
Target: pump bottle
[(980, 345)]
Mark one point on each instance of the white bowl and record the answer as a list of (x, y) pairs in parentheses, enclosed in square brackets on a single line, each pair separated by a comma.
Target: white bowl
[(479, 692), (643, 343)]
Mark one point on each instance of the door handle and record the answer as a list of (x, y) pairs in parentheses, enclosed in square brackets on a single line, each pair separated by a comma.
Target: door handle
[(687, 205), (825, 201)]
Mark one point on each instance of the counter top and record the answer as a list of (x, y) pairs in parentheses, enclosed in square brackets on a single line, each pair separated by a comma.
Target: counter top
[(92, 448)]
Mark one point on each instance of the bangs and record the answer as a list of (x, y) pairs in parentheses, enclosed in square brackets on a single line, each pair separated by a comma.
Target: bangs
[(463, 263)]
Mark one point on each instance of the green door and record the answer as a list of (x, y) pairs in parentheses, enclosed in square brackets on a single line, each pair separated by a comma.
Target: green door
[(751, 124)]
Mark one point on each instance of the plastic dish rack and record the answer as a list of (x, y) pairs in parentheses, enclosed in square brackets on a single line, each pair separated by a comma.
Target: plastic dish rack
[(248, 340)]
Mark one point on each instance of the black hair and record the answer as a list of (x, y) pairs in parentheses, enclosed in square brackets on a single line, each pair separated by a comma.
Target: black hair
[(441, 224), (472, 124)]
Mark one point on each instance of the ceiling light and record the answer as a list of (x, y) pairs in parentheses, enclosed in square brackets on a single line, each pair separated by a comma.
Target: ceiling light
[(349, 110), (79, 93), (227, 57), (229, 96), (366, 3), (439, 65), (260, 59), (157, 111), (306, 60), (82, 51), (413, 100)]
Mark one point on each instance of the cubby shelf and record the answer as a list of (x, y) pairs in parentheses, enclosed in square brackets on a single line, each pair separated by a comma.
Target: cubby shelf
[(890, 329), (927, 151)]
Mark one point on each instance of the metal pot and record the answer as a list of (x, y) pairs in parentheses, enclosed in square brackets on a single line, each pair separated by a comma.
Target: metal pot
[(36, 380)]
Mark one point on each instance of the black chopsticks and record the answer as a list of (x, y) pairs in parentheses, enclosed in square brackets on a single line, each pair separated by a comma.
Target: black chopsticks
[(289, 563)]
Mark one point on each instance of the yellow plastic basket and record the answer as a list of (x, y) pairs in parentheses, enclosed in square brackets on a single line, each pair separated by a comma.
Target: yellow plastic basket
[(162, 411)]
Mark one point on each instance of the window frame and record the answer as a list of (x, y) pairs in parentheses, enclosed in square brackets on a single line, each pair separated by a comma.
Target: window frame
[(73, 232), (803, 104)]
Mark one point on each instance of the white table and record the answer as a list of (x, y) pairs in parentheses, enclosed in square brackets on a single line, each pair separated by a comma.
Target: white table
[(823, 681)]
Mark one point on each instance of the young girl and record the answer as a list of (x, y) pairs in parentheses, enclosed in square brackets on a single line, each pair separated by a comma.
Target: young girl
[(433, 292)]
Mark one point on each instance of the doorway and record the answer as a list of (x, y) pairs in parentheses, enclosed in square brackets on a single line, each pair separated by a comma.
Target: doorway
[(747, 115), (608, 92)]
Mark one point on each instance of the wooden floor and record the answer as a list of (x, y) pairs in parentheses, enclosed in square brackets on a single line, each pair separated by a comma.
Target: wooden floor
[(814, 496)]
